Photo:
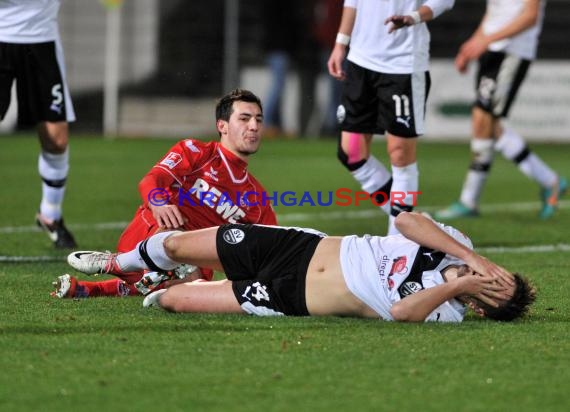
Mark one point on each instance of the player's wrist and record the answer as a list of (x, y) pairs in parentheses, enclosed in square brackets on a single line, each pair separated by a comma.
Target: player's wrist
[(342, 38), (416, 17)]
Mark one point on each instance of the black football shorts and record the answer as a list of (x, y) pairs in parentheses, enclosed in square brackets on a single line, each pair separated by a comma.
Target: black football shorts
[(41, 89), (373, 102), (267, 266), (499, 78)]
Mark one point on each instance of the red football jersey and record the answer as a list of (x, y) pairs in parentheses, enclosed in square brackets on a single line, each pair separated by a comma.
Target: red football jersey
[(212, 186)]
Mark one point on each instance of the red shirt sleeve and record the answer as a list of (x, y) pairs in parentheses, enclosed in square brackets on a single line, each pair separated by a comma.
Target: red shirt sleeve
[(171, 168)]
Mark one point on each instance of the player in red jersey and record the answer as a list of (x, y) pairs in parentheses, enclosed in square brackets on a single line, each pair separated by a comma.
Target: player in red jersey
[(195, 185)]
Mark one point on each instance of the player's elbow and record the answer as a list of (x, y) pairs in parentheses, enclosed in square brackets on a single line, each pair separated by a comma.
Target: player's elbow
[(404, 220), (403, 313)]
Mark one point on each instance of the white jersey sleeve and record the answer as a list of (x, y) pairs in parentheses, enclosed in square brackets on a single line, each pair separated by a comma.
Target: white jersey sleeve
[(501, 13), (451, 310)]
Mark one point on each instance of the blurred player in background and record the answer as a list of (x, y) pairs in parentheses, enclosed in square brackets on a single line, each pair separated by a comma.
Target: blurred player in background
[(505, 44), (386, 85), (31, 54), (185, 190)]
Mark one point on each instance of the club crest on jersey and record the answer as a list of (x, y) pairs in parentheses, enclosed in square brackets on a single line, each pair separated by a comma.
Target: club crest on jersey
[(171, 160), (409, 288), (233, 236), (340, 114)]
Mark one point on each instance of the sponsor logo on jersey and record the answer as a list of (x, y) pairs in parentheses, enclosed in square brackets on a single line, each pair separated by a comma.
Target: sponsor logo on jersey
[(382, 266), (233, 236), (171, 160), (409, 288), (210, 196), (398, 266), (213, 174)]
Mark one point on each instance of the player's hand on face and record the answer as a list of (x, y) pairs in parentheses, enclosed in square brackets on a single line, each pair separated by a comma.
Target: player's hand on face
[(485, 267), (168, 216), (484, 288)]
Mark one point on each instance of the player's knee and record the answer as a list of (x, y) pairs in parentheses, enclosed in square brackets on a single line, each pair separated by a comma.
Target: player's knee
[(168, 300), (173, 246), (350, 165), (54, 136)]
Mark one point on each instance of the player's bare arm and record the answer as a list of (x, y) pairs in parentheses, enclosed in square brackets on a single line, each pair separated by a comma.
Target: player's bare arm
[(479, 42), (425, 232), (416, 307), (338, 53)]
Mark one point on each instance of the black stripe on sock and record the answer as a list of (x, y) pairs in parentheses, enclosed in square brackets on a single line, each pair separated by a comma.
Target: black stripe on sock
[(395, 210), (522, 155), (54, 183), (480, 167), (384, 190), (149, 262)]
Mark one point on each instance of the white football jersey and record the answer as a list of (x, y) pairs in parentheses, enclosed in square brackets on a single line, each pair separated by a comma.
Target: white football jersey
[(404, 51), (28, 21), (382, 270), (499, 14)]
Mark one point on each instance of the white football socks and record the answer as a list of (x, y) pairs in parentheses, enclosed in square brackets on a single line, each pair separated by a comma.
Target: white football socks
[(53, 170), (148, 254), (512, 146), (482, 150), (373, 175), (404, 192)]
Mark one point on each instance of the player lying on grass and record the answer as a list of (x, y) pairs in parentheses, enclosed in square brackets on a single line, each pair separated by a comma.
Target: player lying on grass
[(428, 273), (171, 193)]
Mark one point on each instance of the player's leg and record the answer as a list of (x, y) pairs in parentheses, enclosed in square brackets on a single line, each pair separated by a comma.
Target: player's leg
[(53, 167), (405, 175), (513, 147), (161, 253), (482, 152), (67, 286), (402, 108), (203, 297), (357, 119), (44, 100), (492, 80)]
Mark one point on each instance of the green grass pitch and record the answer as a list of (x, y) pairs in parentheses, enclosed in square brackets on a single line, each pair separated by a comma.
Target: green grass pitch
[(111, 354)]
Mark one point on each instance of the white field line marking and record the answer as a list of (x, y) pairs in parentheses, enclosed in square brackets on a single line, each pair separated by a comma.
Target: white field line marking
[(560, 247), (31, 259), (303, 217)]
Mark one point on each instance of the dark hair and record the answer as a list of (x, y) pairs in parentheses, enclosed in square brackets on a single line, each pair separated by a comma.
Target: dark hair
[(515, 307), (224, 107)]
